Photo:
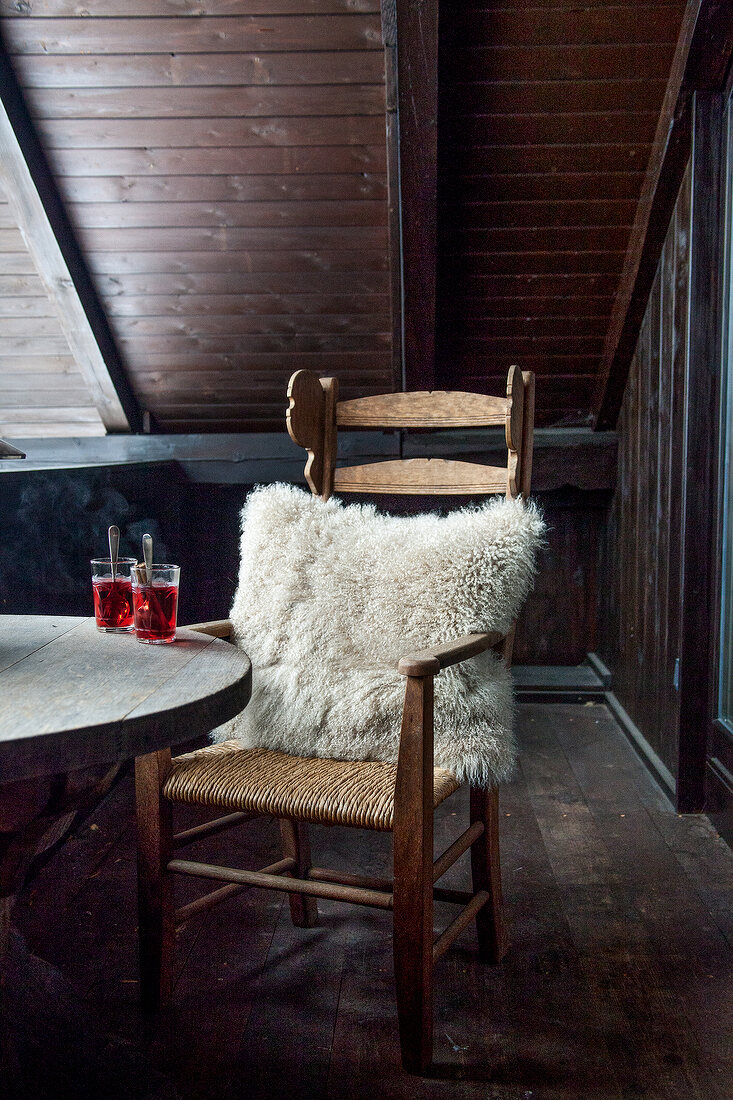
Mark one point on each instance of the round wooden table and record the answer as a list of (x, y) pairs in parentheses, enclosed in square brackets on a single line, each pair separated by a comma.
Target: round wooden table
[(74, 704), (71, 697)]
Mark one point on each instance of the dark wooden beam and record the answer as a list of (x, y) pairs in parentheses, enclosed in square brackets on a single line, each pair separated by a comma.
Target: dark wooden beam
[(705, 358), (576, 457), (701, 61), (417, 82), (389, 37), (38, 208)]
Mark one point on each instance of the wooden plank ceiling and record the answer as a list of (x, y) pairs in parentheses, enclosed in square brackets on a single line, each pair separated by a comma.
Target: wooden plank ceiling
[(226, 175), (42, 391), (548, 111)]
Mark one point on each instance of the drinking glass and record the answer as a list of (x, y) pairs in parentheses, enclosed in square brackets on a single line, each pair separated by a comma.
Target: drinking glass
[(113, 595), (156, 605)]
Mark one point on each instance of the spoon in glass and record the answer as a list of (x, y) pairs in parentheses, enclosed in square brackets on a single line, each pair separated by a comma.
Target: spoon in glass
[(148, 556), (113, 536)]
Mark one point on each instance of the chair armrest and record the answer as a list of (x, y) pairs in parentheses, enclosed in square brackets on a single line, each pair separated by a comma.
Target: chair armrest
[(217, 628), (428, 662)]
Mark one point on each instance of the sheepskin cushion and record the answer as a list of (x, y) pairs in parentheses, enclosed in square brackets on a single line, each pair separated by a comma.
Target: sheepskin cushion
[(331, 596)]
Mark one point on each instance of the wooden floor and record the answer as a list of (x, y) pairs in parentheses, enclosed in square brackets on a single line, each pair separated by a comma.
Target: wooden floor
[(617, 985)]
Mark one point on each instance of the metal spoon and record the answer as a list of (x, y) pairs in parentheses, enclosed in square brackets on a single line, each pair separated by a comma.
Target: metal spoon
[(113, 536), (148, 555)]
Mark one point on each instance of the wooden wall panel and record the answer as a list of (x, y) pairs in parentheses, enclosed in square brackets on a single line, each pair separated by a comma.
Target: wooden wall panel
[(225, 170), (558, 625), (641, 562), (547, 115), (42, 392)]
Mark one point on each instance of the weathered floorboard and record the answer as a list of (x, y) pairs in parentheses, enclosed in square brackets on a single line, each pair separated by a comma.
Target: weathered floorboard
[(616, 984)]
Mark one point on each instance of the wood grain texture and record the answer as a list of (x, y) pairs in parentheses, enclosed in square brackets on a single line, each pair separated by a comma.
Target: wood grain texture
[(198, 215), (669, 155), (262, 158), (213, 34), (526, 445), (431, 475), (486, 875), (413, 885), (66, 321), (76, 699), (330, 387), (201, 102), (296, 847), (154, 820), (620, 976), (460, 845), (705, 385), (280, 882), (306, 424), (701, 62), (640, 625), (58, 9), (417, 409), (204, 133), (149, 114), (49, 236), (417, 90), (430, 661), (264, 187), (543, 142), (459, 923), (514, 430), (134, 70), (560, 622)]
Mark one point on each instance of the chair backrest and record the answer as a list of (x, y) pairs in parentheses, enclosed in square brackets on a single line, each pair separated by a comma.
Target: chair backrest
[(315, 416)]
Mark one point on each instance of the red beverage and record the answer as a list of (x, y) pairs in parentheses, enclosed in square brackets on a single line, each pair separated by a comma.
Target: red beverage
[(113, 603), (156, 606)]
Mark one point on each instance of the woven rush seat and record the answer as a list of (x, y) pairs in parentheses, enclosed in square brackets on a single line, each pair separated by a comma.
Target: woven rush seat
[(325, 792)]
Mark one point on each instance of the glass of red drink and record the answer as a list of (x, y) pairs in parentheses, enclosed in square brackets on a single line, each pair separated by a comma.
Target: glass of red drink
[(156, 604), (113, 595)]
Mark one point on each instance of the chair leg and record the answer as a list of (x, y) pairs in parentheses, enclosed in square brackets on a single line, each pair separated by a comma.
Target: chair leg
[(486, 871), (413, 968), (413, 877), (295, 844), (155, 894)]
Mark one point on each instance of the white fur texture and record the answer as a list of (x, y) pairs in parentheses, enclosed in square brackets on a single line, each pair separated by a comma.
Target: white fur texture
[(331, 596)]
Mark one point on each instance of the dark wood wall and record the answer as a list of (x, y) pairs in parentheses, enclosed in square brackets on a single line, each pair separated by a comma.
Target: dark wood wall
[(224, 168), (640, 574), (547, 115), (558, 625)]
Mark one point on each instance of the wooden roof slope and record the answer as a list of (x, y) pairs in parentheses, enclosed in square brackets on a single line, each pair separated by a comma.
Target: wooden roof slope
[(42, 390), (226, 178), (548, 113)]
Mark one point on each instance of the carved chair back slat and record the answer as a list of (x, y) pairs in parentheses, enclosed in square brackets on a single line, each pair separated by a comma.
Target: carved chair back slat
[(315, 415)]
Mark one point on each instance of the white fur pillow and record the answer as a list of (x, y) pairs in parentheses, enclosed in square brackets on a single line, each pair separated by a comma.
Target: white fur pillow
[(331, 596)]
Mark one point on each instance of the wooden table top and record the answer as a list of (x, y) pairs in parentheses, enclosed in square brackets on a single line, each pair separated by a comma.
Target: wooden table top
[(71, 696)]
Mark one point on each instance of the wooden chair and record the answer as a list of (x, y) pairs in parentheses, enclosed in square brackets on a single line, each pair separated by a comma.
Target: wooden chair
[(400, 797)]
